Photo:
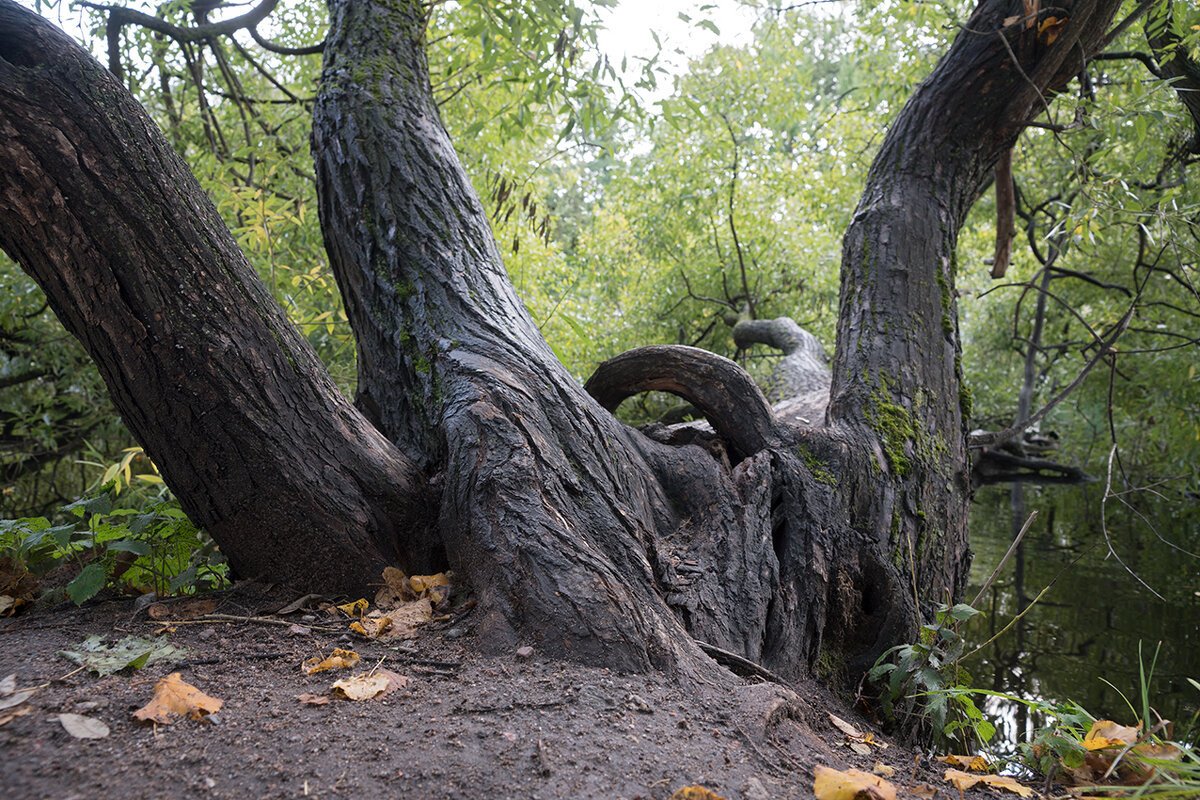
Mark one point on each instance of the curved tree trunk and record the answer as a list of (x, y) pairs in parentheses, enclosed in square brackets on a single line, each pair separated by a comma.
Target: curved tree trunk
[(806, 546), (205, 369)]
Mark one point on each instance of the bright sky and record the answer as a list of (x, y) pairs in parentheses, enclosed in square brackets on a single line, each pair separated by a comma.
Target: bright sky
[(629, 26)]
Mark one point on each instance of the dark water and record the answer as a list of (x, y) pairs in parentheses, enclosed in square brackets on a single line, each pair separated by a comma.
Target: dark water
[(1087, 628)]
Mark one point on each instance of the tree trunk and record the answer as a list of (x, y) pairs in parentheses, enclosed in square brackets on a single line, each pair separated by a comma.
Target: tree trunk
[(801, 547)]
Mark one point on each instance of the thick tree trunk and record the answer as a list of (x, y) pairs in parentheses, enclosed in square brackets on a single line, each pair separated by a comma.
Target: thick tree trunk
[(799, 547), (206, 371)]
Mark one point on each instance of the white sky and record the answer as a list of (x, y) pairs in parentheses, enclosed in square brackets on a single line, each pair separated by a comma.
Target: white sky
[(630, 23)]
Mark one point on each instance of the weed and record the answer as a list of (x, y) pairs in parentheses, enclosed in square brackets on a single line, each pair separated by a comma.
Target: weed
[(153, 548)]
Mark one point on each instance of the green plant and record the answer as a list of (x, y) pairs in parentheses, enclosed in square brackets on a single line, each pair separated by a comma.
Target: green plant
[(923, 686), (154, 548)]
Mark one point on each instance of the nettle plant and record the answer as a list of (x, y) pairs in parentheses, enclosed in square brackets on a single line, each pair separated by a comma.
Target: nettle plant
[(922, 684), (155, 548)]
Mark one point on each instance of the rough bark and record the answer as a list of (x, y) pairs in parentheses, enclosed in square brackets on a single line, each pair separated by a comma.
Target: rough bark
[(805, 548), (206, 371), (896, 368)]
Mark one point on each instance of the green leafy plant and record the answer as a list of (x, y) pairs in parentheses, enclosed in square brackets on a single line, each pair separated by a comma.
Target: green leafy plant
[(154, 548), (922, 684)]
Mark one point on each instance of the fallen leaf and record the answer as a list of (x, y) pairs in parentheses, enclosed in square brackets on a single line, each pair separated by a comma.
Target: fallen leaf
[(969, 763), (423, 583), (923, 791), (360, 687), (845, 727), (372, 627), (20, 711), (8, 684), (695, 793), (132, 651), (396, 682), (356, 609), (18, 587), (190, 609), (395, 588), (16, 698), (173, 698), (1105, 730), (853, 784), (310, 699), (338, 659), (965, 780), (883, 769), (406, 618), (82, 727)]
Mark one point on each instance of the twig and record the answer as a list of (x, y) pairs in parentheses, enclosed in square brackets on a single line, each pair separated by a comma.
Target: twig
[(1011, 549)]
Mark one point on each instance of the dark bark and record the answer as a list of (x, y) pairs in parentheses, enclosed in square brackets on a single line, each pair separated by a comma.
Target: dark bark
[(210, 377), (808, 546), (896, 369)]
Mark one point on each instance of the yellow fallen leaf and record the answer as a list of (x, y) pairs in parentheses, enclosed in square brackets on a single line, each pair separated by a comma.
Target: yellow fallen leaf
[(355, 609), (338, 659), (696, 793), (883, 769), (360, 687), (965, 780), (969, 763), (421, 583), (853, 784), (372, 627), (175, 698)]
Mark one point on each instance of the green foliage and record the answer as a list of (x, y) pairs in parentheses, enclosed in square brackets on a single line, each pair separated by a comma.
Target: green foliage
[(923, 687), (153, 548)]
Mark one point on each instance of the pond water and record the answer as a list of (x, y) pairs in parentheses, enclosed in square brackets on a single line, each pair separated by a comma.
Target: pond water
[(1080, 641)]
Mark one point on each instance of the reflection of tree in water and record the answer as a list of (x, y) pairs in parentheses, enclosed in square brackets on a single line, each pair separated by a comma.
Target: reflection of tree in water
[(1086, 629)]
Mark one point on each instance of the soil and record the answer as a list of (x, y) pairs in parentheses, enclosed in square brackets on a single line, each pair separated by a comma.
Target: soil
[(466, 725)]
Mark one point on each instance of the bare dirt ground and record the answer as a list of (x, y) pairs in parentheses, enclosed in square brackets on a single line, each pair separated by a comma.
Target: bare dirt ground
[(465, 725)]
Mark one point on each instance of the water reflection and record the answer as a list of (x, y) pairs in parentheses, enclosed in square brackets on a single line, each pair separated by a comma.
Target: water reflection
[(1086, 628)]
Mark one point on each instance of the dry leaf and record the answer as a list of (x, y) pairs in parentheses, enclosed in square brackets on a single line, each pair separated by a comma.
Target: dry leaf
[(695, 793), (395, 680), (18, 587), (373, 627), (853, 784), (356, 609), (8, 716), (965, 780), (360, 687), (969, 763), (82, 727), (16, 698), (310, 699), (883, 769), (338, 659), (172, 698), (394, 589), (923, 791), (187, 610), (845, 727), (406, 618), (1050, 28)]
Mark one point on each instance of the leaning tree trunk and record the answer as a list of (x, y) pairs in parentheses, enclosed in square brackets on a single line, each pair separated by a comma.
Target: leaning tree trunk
[(794, 546), (206, 371)]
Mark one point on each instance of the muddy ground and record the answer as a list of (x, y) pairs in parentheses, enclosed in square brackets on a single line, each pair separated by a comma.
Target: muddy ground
[(465, 725)]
